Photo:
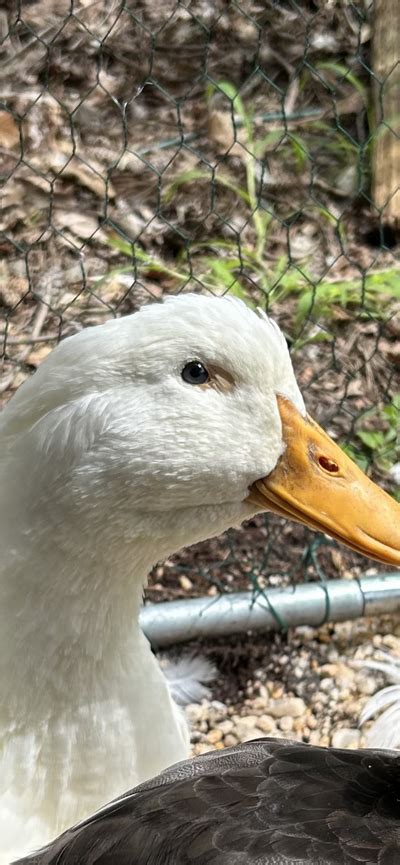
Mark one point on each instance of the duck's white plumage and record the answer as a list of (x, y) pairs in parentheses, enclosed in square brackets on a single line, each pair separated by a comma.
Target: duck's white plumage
[(109, 462)]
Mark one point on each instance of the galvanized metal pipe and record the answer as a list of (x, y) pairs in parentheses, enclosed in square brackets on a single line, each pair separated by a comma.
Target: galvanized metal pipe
[(308, 604)]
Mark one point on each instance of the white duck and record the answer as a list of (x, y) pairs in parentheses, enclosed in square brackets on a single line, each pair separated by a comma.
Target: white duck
[(133, 439)]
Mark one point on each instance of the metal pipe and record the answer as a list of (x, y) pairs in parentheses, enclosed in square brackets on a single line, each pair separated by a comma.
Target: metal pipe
[(308, 604)]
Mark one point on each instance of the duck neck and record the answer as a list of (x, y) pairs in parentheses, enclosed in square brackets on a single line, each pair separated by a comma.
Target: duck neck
[(71, 594), (71, 584), (69, 609), (78, 679)]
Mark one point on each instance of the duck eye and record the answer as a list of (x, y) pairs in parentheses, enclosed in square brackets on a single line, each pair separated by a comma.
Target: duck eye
[(195, 373)]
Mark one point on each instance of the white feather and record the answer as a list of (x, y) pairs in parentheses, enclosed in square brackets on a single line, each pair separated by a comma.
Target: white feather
[(188, 678), (379, 702), (109, 462), (385, 731)]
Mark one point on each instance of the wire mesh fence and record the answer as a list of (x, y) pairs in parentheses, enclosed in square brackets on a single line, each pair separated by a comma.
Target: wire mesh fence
[(216, 147)]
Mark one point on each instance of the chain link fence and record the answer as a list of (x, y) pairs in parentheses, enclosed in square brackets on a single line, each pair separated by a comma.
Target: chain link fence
[(220, 146)]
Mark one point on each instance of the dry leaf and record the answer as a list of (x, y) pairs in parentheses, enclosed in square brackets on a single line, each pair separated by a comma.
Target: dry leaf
[(355, 387), (13, 290), (92, 176), (9, 132), (79, 223), (38, 354), (391, 349)]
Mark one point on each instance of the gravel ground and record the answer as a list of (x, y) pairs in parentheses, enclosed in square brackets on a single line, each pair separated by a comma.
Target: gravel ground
[(307, 687)]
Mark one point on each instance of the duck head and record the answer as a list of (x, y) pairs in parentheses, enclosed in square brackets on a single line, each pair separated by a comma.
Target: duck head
[(189, 411)]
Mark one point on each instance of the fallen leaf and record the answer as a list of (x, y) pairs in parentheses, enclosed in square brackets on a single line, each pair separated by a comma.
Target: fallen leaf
[(355, 387), (39, 353), (391, 349), (9, 132), (12, 288), (80, 224), (91, 176)]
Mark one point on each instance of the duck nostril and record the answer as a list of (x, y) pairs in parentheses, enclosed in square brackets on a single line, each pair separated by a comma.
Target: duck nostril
[(328, 464)]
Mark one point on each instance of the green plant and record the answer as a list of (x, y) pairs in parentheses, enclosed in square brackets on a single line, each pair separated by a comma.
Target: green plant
[(375, 294), (218, 267), (378, 431), (252, 151), (245, 268)]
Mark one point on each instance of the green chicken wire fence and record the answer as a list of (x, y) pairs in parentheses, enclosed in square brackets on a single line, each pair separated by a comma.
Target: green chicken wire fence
[(221, 147)]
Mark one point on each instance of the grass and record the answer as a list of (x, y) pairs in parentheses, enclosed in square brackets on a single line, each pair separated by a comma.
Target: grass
[(216, 265)]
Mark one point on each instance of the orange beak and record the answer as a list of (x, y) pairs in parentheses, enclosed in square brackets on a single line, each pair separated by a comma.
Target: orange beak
[(317, 484)]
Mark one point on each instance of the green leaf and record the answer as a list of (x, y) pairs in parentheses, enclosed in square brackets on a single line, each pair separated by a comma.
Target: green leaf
[(117, 242), (358, 456), (344, 73), (373, 440)]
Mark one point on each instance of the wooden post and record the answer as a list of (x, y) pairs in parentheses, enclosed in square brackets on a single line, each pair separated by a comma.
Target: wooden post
[(386, 92)]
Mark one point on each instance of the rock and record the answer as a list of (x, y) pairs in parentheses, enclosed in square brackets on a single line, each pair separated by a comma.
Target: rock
[(391, 642), (203, 748), (246, 728), (217, 706), (346, 737), (315, 737), (344, 694), (259, 703), (217, 711), (254, 734), (319, 701), (328, 671), (196, 712), (214, 736), (286, 724), (248, 720), (226, 727), (305, 633), (292, 706), (230, 740), (345, 676), (266, 723), (186, 584), (366, 685), (196, 737), (326, 685), (298, 672), (277, 692)]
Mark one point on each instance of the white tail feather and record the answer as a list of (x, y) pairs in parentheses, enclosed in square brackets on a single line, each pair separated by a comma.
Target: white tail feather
[(385, 731), (380, 702), (386, 663), (188, 678)]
